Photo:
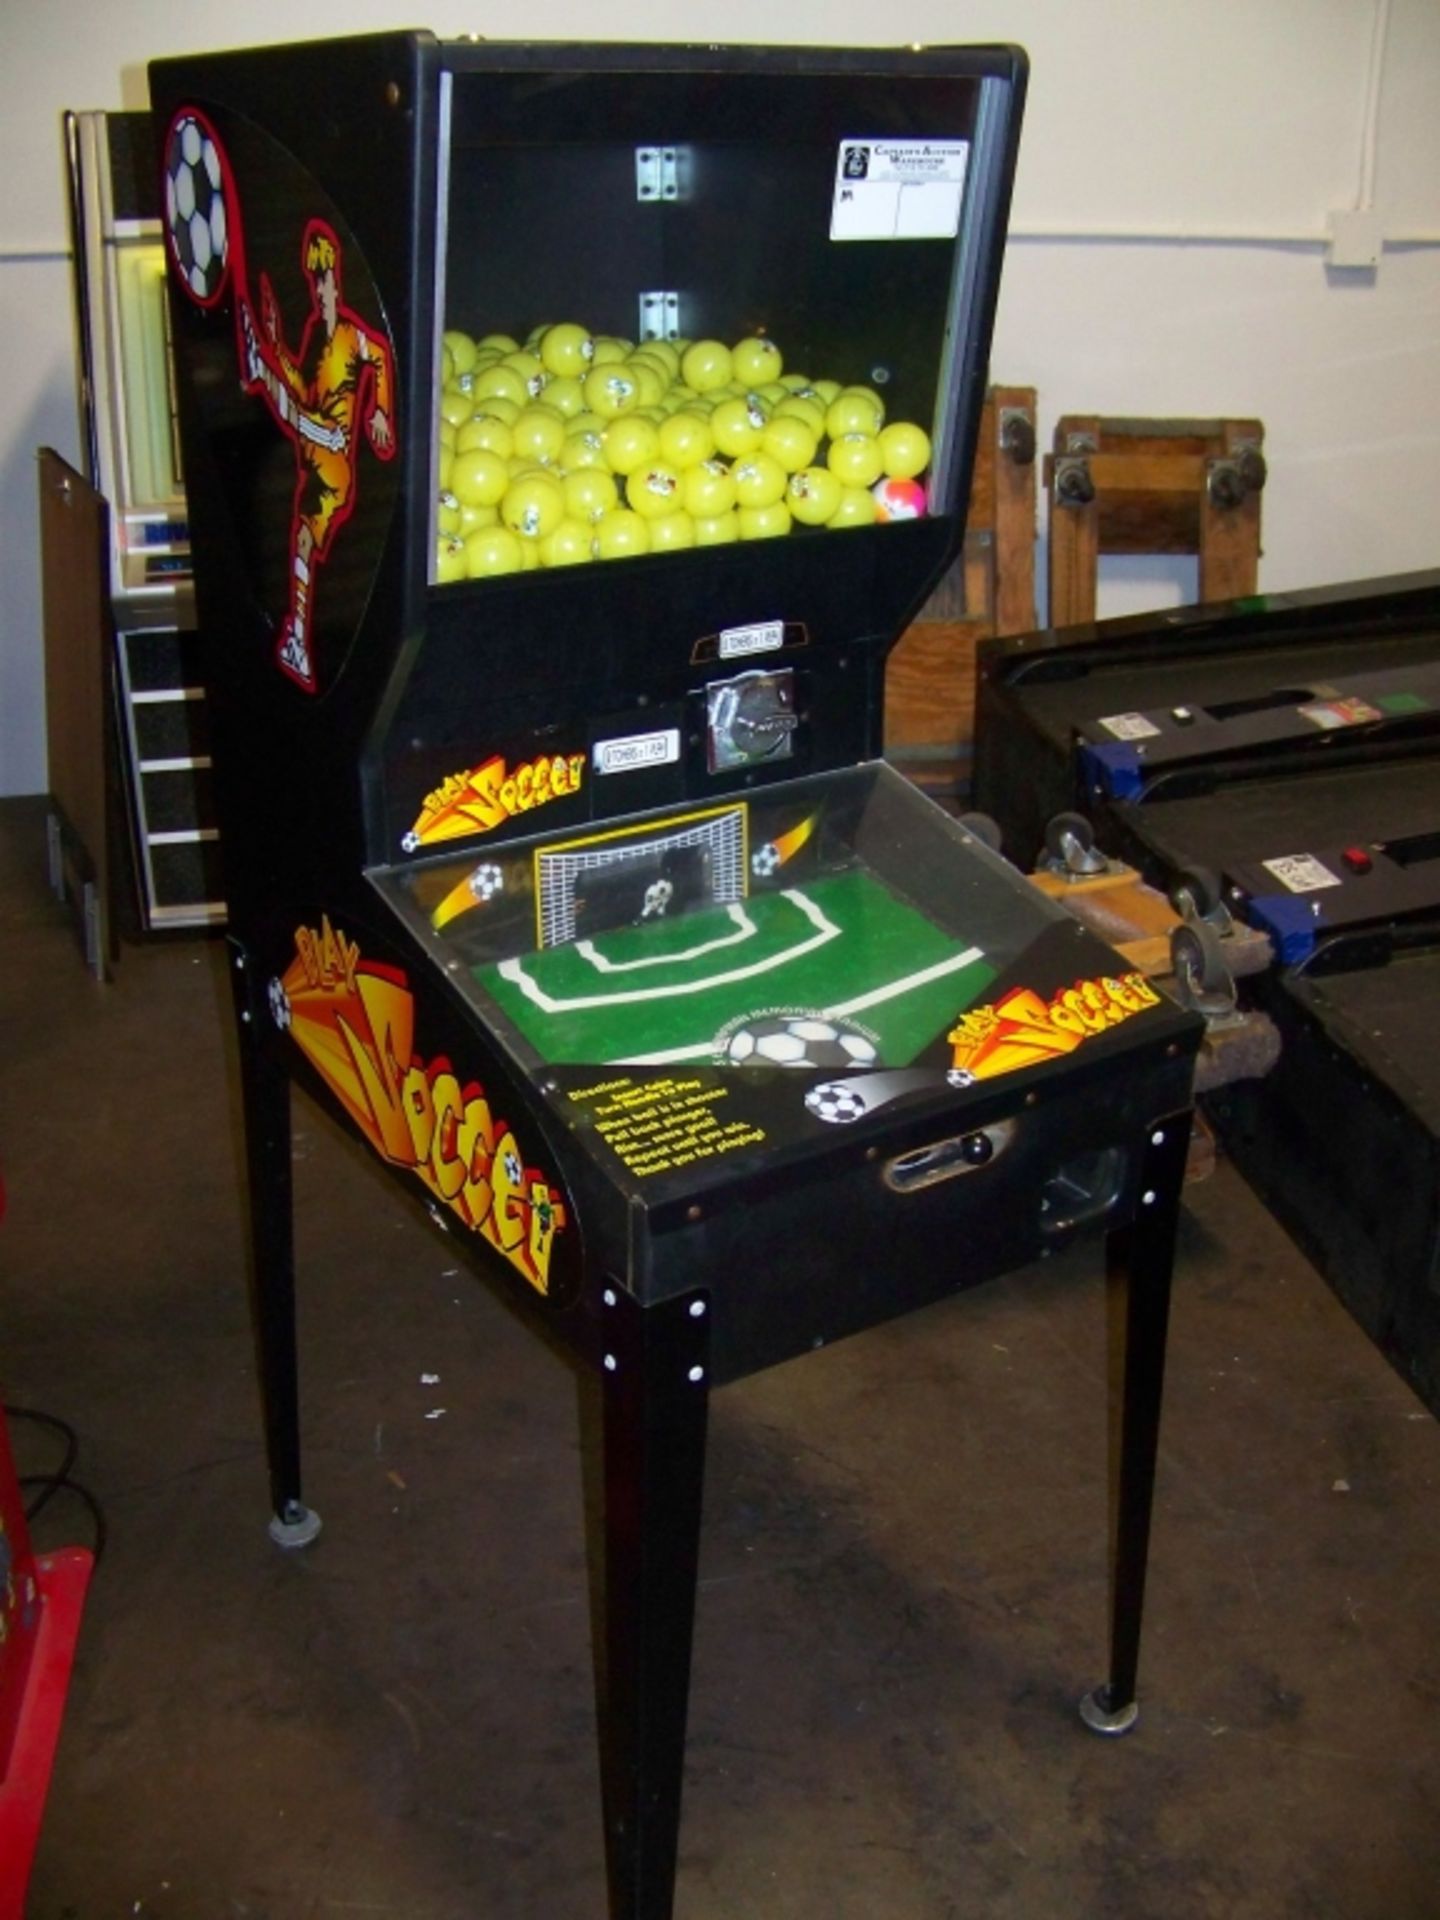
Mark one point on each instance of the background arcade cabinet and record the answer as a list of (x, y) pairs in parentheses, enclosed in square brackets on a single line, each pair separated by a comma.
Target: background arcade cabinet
[(569, 433), (1279, 760)]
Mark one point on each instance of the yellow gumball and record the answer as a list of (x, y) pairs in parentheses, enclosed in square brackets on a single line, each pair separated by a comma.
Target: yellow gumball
[(855, 410), (855, 459), (566, 349), (479, 477), (472, 518), (494, 550), (739, 425), (856, 509), (531, 369), (790, 440), (705, 365), (583, 450), (539, 432), (666, 352), (764, 523), (759, 481), (619, 534), (566, 394), (450, 559), (755, 361), (611, 389), (500, 382), (447, 512), (671, 532), (904, 449), (500, 343), (609, 350), (495, 406), (649, 376), (708, 489), (653, 490), (567, 546), (456, 406), (813, 496), (461, 348), (533, 506), (486, 430), (686, 440), (589, 492), (717, 530), (629, 443)]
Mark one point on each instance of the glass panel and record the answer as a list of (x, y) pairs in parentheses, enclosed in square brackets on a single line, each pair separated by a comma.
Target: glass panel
[(839, 923), (688, 309)]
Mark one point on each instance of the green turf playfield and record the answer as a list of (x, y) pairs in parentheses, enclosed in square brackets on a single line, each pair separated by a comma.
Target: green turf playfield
[(841, 944)]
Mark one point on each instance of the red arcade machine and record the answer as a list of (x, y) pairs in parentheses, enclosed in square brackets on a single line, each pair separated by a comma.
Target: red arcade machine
[(569, 433), (41, 1600)]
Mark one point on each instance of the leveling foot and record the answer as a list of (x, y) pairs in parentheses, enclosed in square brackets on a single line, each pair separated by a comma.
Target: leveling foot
[(1101, 1717), (295, 1526)]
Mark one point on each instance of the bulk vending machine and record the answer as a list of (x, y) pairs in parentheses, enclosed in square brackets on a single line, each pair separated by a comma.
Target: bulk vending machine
[(569, 432)]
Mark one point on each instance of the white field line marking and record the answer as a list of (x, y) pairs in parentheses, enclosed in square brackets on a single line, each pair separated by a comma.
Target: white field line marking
[(589, 951), (894, 988), (514, 970), (891, 991)]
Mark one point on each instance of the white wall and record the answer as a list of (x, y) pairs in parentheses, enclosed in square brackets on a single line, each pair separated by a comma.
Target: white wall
[(1179, 163)]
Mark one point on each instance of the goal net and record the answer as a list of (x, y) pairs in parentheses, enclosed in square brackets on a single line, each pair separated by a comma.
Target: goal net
[(584, 885)]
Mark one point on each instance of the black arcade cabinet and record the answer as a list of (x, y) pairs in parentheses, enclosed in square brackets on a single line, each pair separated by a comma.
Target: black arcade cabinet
[(1279, 760), (570, 431)]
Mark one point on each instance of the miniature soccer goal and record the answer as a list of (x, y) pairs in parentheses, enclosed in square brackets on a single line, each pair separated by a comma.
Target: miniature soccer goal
[(708, 847)]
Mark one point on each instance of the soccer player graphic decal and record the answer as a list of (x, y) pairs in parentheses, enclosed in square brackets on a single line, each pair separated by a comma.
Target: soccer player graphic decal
[(329, 391), (339, 378)]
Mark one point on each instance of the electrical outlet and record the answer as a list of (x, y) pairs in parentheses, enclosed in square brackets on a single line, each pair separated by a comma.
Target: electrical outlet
[(1356, 237)]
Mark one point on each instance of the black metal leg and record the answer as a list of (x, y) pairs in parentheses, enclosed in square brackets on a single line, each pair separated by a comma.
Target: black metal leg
[(1144, 1251), (265, 1091), (655, 1383)]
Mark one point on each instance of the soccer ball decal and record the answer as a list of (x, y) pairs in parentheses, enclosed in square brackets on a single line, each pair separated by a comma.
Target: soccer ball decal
[(279, 1005), (765, 860), (832, 1100), (658, 896), (487, 880), (514, 1171), (196, 217), (959, 1077), (798, 1040)]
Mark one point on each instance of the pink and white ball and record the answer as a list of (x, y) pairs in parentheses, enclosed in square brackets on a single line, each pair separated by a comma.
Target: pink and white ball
[(898, 499)]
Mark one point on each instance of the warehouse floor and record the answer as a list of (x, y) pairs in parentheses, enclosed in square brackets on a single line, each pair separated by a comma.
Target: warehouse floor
[(902, 1582)]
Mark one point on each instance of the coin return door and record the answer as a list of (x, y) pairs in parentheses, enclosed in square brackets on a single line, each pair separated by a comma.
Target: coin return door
[(1081, 1192)]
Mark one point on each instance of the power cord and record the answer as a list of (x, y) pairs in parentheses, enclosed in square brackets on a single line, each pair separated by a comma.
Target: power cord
[(59, 1480)]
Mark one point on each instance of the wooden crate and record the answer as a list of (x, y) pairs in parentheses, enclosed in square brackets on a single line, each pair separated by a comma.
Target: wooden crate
[(1152, 486), (930, 678)]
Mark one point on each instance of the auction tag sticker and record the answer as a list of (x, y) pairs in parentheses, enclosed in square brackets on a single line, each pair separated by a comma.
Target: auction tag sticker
[(1129, 726), (1302, 873), (898, 189), (1341, 713), (660, 749), (763, 636)]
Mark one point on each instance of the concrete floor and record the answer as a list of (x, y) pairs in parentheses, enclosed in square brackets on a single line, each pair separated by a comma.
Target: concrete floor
[(903, 1577)]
